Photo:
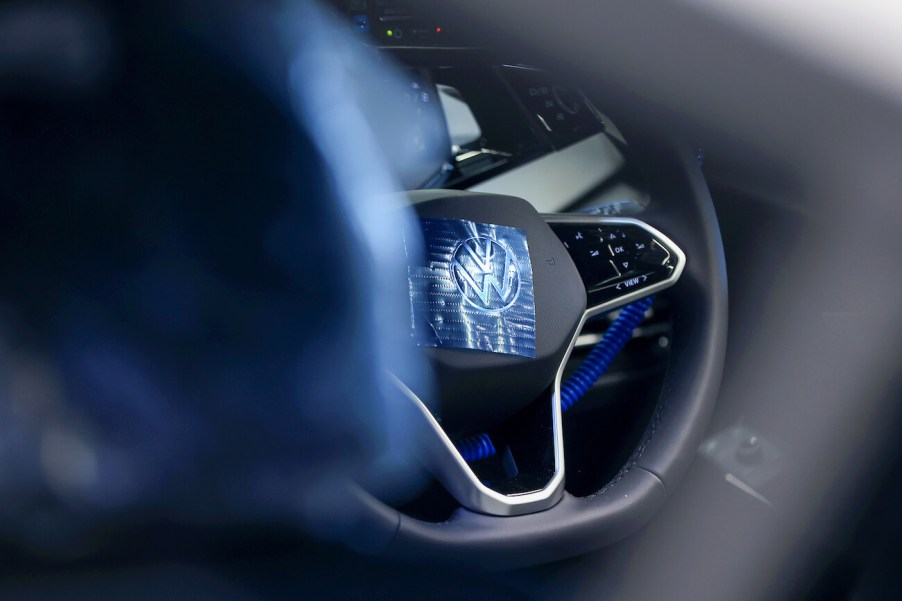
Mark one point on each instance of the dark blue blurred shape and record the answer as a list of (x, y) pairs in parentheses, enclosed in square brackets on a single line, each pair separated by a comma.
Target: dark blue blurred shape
[(201, 298)]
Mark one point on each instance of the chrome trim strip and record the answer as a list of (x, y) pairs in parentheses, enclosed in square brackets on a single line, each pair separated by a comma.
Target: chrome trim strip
[(442, 457), (445, 462)]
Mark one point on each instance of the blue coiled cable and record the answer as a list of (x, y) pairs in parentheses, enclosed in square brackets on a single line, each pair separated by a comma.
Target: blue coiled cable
[(473, 448), (593, 367), (601, 357)]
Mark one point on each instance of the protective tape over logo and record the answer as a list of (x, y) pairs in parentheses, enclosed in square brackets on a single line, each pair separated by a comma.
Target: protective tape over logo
[(475, 290), (486, 274)]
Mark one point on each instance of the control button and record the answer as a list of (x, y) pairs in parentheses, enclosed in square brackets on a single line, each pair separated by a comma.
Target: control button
[(631, 282), (594, 249), (618, 249), (577, 239), (615, 260)]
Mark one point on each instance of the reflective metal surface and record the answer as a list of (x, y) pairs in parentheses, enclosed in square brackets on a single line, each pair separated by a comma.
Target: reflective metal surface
[(473, 289)]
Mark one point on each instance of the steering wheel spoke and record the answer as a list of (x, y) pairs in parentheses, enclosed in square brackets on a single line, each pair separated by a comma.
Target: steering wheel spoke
[(619, 259), (492, 269), (497, 485)]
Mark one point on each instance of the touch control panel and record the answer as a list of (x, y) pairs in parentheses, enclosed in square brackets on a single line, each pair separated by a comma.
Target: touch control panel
[(617, 257)]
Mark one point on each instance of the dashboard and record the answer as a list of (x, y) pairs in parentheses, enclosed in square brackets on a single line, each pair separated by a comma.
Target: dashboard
[(486, 123)]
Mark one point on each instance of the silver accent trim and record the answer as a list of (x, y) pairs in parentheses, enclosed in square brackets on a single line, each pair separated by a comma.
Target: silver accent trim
[(446, 464), (543, 121), (442, 458)]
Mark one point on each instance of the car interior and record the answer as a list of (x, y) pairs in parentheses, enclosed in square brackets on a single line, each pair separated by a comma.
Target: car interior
[(451, 300)]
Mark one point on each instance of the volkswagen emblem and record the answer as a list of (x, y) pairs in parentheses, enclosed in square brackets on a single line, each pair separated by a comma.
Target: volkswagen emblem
[(486, 274)]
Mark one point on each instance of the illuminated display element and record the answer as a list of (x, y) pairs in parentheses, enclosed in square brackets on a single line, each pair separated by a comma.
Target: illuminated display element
[(486, 274), (616, 258), (474, 288)]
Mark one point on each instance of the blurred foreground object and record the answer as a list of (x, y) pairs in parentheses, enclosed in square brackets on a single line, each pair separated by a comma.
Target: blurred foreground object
[(197, 307)]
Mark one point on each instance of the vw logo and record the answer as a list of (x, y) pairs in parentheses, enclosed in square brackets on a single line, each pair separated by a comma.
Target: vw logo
[(486, 274)]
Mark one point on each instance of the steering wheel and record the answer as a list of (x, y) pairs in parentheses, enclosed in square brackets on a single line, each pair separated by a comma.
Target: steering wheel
[(527, 517), (520, 283)]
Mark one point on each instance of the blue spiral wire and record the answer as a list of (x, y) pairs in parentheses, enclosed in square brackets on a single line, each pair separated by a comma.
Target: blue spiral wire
[(474, 448), (601, 357), (479, 446)]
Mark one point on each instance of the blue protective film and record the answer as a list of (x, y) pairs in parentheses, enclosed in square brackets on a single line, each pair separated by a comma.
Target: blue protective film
[(474, 290)]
